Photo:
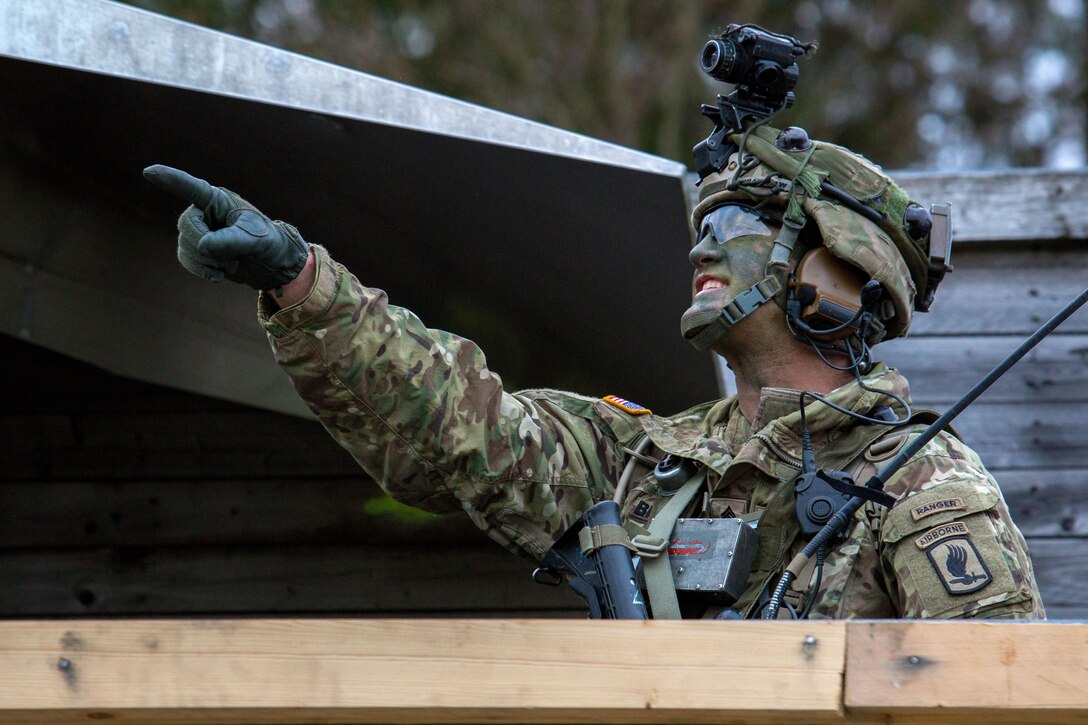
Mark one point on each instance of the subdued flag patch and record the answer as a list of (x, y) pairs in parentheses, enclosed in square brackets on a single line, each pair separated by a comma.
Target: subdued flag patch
[(959, 566), (625, 405)]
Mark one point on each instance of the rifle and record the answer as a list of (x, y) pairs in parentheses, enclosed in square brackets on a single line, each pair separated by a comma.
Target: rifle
[(605, 577)]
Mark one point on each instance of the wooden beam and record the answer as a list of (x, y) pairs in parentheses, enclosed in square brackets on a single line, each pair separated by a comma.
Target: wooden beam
[(310, 670), (1019, 205), (978, 672), (156, 512), (421, 671), (273, 580), (1006, 290)]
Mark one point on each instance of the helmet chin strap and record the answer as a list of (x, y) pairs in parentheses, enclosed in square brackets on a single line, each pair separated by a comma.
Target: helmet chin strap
[(714, 324)]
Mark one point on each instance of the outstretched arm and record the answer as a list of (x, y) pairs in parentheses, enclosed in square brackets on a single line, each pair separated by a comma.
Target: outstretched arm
[(417, 408), (422, 413)]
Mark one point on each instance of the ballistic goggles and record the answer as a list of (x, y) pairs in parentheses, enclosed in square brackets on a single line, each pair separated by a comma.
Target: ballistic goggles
[(731, 221)]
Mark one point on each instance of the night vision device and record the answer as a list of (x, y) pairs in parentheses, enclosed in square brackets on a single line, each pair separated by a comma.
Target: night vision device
[(763, 66)]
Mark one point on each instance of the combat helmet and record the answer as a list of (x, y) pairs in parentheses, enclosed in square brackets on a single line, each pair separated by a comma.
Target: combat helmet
[(863, 219)]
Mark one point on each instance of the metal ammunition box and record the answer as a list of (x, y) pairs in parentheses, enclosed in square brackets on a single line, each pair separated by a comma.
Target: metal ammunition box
[(712, 556)]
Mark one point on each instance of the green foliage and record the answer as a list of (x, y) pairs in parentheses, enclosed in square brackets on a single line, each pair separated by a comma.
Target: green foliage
[(386, 506), (914, 83)]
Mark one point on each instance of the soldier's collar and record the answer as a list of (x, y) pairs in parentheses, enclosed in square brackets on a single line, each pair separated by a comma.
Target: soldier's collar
[(778, 414), (774, 403), (775, 446)]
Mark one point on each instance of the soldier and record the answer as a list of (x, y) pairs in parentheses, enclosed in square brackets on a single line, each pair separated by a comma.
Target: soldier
[(421, 412)]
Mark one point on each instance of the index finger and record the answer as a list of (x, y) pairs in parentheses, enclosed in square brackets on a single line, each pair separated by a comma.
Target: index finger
[(193, 190)]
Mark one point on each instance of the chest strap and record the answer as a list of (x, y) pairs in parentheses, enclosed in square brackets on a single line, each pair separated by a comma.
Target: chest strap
[(654, 549), (781, 514)]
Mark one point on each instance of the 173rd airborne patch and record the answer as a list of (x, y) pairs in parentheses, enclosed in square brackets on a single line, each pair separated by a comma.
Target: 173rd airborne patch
[(955, 558)]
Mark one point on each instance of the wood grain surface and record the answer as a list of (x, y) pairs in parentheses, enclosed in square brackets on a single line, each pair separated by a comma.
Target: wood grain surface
[(457, 671), (245, 671)]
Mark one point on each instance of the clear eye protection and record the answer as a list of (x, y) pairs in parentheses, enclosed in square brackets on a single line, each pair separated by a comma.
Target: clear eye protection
[(731, 221)]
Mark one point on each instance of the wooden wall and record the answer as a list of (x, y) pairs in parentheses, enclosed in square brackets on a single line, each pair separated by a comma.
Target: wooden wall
[(1031, 427), (1020, 257), (125, 498)]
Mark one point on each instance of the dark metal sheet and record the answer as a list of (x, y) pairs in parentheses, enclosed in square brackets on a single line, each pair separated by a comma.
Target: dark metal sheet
[(564, 259)]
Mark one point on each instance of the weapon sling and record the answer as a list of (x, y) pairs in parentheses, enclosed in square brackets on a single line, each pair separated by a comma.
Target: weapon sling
[(654, 549)]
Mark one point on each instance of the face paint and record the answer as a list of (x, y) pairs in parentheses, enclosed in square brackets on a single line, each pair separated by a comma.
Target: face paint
[(730, 256)]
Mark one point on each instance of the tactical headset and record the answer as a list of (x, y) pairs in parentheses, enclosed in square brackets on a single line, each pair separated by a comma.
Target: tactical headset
[(828, 299)]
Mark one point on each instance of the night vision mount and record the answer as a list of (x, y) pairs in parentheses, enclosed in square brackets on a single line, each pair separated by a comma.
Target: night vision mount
[(763, 65)]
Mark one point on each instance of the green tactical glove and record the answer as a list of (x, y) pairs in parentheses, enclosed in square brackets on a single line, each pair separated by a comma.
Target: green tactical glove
[(223, 236)]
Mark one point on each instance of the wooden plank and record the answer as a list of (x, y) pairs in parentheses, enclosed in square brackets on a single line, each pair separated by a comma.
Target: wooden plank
[(214, 512), (1034, 204), (1061, 570), (70, 514), (942, 369), (1026, 672), (1021, 435), (422, 671), (224, 444), (282, 580), (240, 444), (1011, 290), (1048, 501), (356, 579), (532, 671)]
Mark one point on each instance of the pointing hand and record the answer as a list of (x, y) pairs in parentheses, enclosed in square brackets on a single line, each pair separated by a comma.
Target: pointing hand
[(223, 236)]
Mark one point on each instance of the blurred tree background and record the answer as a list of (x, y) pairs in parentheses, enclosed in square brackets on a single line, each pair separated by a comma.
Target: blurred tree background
[(911, 83)]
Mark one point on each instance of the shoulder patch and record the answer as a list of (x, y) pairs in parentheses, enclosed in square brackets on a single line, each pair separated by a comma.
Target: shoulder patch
[(626, 405), (935, 507), (942, 532), (959, 566)]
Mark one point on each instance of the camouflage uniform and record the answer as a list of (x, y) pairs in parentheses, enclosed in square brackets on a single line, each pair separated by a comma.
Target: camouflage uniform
[(422, 414)]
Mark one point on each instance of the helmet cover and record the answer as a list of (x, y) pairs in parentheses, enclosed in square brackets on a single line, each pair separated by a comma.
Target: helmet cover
[(762, 172)]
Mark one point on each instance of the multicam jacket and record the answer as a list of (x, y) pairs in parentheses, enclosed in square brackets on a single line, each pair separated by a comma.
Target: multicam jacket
[(425, 417)]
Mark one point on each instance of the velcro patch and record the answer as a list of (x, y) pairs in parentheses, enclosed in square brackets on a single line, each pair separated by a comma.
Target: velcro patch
[(626, 405), (936, 507), (942, 532), (642, 510), (959, 566), (728, 508)]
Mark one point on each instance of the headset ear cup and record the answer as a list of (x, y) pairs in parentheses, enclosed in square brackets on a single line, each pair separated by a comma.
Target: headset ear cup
[(827, 291)]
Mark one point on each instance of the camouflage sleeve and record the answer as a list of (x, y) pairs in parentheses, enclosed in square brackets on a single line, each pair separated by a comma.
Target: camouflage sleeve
[(949, 547), (425, 417)]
